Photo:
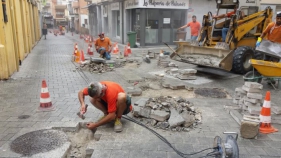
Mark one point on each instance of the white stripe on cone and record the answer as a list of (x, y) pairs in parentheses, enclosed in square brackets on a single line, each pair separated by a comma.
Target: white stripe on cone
[(45, 100), (265, 119), (44, 90), (266, 104)]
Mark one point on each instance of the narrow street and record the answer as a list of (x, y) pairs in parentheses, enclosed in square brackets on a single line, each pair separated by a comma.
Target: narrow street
[(51, 60)]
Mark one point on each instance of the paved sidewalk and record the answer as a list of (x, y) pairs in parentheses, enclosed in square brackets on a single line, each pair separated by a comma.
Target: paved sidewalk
[(50, 60)]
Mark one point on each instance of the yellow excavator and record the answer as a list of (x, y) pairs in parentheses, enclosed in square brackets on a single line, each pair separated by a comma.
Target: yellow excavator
[(244, 27)]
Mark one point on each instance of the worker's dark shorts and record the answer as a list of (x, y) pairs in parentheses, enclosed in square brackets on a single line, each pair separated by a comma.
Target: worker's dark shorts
[(128, 103)]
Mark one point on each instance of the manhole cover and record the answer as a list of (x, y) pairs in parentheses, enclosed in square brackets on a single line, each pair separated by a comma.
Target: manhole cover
[(211, 92), (23, 116), (38, 142)]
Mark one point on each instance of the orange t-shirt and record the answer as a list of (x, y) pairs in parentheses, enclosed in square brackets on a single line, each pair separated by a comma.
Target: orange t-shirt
[(194, 27), (110, 96), (273, 32), (229, 14), (103, 43)]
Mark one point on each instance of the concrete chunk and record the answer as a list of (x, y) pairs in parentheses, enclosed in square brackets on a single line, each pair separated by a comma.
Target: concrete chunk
[(134, 91), (136, 111), (141, 102), (175, 118), (177, 86), (186, 77), (254, 85), (235, 101), (254, 95), (159, 115), (254, 101), (145, 112), (251, 90), (187, 71), (254, 110), (249, 130), (240, 90), (188, 119)]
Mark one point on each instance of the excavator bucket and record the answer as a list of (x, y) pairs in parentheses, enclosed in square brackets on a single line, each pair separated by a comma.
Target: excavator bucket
[(203, 56)]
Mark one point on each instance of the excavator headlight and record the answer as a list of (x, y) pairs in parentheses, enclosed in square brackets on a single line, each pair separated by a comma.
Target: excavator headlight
[(219, 1), (234, 1)]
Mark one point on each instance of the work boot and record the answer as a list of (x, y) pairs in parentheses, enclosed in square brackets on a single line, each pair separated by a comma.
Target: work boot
[(118, 125)]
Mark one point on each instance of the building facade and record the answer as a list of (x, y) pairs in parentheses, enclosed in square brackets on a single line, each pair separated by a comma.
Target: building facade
[(274, 4)]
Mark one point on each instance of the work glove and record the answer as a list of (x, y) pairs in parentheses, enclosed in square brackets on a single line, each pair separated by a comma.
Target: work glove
[(258, 42)]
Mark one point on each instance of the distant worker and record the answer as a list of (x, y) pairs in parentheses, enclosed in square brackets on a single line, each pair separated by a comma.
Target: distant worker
[(273, 31), (103, 46), (45, 29), (226, 25), (110, 98), (194, 28)]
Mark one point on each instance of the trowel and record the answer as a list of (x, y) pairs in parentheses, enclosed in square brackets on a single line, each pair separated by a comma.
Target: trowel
[(82, 115)]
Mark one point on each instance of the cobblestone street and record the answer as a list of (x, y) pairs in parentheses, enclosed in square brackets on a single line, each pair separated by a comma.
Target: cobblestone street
[(51, 60)]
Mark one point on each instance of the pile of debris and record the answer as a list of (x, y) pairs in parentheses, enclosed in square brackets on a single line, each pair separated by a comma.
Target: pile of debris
[(94, 67), (183, 74), (249, 97), (168, 113)]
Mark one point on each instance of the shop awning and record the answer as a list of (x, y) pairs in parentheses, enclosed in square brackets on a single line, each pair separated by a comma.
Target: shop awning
[(87, 6)]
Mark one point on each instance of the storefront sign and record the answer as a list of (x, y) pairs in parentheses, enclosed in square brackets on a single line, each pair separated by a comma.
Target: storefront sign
[(115, 6), (166, 21), (170, 4)]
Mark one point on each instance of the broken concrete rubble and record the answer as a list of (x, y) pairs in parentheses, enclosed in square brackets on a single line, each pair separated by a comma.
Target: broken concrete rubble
[(168, 113), (248, 129)]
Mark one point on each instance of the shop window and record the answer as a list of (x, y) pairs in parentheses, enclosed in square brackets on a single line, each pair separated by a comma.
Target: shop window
[(151, 26), (86, 21), (136, 23), (118, 23)]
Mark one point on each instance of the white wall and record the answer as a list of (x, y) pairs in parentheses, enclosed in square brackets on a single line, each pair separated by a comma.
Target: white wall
[(82, 21)]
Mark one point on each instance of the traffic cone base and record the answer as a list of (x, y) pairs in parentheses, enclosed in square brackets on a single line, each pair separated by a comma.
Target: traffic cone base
[(45, 101), (266, 128), (265, 116)]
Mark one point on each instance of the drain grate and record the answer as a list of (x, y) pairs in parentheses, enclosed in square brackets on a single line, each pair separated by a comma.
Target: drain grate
[(38, 142), (23, 116), (211, 92)]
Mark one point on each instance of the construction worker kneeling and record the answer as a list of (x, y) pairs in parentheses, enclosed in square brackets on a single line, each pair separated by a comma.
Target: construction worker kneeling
[(103, 46)]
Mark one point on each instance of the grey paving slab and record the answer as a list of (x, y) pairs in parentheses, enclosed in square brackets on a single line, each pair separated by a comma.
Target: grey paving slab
[(256, 151)]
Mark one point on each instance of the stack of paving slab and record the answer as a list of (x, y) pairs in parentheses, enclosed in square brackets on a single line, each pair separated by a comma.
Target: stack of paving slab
[(249, 97), (187, 74), (163, 61)]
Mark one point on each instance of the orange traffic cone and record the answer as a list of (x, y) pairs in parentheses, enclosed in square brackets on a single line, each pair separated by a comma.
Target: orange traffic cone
[(90, 50), (77, 56), (265, 116), (126, 54), (115, 49), (82, 58), (45, 101), (129, 48)]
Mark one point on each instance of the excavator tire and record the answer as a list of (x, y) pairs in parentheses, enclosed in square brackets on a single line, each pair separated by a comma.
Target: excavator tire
[(241, 57)]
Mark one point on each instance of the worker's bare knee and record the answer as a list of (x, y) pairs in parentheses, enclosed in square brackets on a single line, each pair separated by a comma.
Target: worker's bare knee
[(121, 97)]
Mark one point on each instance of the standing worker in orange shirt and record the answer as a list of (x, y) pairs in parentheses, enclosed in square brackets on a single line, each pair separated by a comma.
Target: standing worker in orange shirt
[(194, 28), (103, 46), (273, 31)]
